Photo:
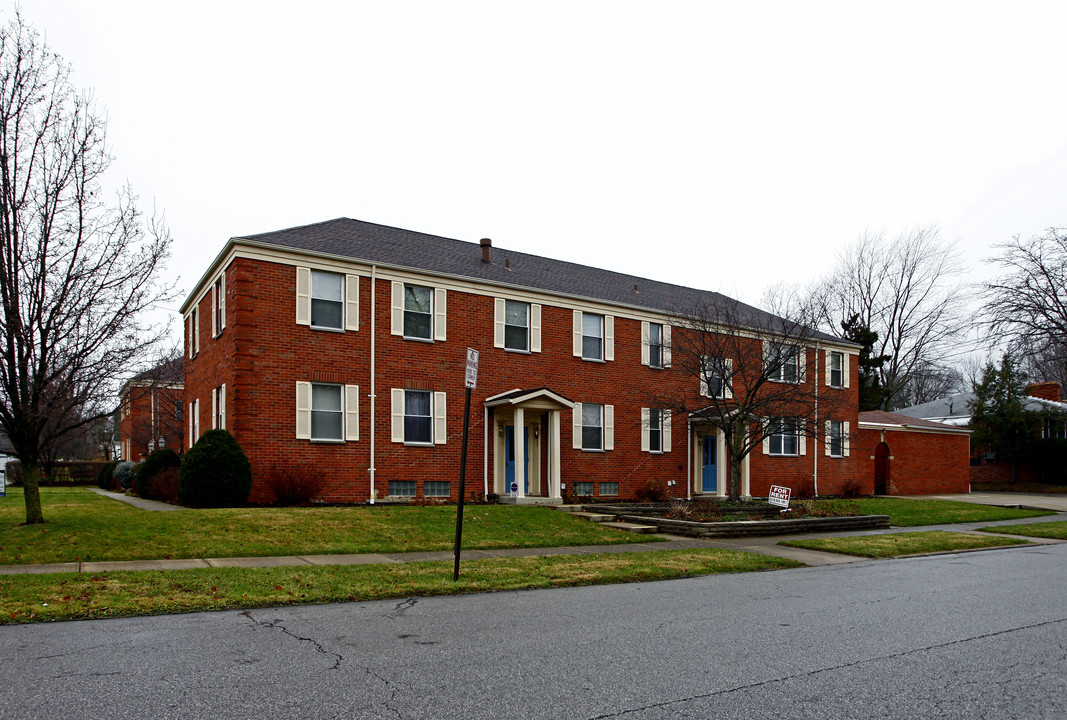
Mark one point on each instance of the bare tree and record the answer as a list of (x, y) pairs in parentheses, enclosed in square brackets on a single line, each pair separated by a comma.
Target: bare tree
[(1027, 304), (752, 377), (76, 272), (909, 290)]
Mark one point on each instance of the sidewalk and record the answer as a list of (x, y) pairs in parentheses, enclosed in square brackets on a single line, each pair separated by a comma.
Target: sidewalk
[(759, 545)]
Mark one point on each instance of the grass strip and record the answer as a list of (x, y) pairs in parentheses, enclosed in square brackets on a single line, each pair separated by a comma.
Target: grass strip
[(76, 596), (84, 526), (907, 512), (897, 544), (1054, 530)]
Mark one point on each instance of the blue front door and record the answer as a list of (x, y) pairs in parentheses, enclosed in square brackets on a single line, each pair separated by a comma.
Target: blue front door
[(709, 476), (509, 458)]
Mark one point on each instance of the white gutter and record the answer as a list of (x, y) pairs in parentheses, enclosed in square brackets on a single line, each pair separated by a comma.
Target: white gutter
[(373, 334)]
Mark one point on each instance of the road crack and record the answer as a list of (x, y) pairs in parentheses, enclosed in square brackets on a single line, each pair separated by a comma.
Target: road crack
[(276, 625)]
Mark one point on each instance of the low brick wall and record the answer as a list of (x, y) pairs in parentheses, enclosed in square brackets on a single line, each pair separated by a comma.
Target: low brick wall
[(754, 528)]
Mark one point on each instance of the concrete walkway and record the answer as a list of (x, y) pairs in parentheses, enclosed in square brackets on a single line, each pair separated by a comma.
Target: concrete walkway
[(153, 505), (1028, 501), (760, 545)]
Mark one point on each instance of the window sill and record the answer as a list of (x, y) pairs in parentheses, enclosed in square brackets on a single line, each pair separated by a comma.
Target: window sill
[(517, 351), (418, 444), (785, 382), (324, 328), (419, 339), (594, 450), (596, 360), (785, 455), (327, 441)]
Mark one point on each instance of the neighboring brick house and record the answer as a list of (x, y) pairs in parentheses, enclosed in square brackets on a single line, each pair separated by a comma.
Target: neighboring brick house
[(341, 347), (150, 413), (1044, 398), (904, 455)]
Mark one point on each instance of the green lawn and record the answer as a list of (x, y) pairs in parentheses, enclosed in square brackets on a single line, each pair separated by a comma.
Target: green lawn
[(84, 526), (73, 596), (896, 544), (905, 512), (1054, 530)]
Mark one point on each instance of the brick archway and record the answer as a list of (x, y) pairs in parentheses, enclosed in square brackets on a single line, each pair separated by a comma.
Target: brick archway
[(881, 469)]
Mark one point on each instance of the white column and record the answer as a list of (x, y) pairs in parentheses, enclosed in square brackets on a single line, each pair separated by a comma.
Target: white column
[(520, 451), (553, 454)]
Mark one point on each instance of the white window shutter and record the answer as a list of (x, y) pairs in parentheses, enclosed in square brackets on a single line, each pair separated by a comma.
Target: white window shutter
[(192, 437), (609, 427), (705, 391), (196, 418), (440, 435), (303, 411), (222, 406), (802, 366), (844, 437), (303, 296), (576, 427), (440, 302), (535, 328), (351, 412), (214, 304), (397, 302), (666, 346), (196, 330), (609, 337), (644, 346), (646, 425), (665, 434), (828, 358), (498, 322), (189, 333), (577, 349), (828, 438), (802, 436), (397, 413), (351, 302), (222, 299), (845, 358), (728, 381), (766, 441), (214, 408)]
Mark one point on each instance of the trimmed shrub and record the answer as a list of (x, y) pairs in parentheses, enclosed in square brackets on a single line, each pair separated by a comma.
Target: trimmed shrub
[(152, 465), (215, 472), (652, 491), (104, 477), (165, 485), (295, 484), (124, 474)]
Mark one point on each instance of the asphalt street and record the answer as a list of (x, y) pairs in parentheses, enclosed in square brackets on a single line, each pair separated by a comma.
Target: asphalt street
[(973, 635)]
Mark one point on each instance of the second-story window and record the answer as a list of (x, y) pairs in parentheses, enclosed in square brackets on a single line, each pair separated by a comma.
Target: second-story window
[(516, 325), (783, 363), (418, 312), (592, 336), (836, 369), (655, 345), (327, 303)]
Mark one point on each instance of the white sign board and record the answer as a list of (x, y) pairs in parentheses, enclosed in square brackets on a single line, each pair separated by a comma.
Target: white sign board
[(472, 368), (779, 496)]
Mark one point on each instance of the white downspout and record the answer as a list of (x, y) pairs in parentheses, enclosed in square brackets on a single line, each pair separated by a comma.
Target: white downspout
[(815, 444), (485, 454), (688, 458), (373, 334)]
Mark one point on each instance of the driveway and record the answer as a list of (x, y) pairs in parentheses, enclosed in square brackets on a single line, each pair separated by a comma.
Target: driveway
[(1039, 501)]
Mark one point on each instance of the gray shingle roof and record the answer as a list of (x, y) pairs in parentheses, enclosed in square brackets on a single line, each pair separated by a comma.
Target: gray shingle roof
[(374, 243)]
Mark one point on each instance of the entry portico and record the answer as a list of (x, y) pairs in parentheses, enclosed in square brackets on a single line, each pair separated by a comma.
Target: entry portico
[(518, 422)]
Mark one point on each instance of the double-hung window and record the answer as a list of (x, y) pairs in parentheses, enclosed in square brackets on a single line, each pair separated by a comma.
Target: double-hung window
[(783, 363), (418, 416), (592, 426), (418, 312), (836, 368), (655, 345), (592, 336), (655, 430), (715, 377), (517, 325), (327, 300), (783, 437), (327, 412)]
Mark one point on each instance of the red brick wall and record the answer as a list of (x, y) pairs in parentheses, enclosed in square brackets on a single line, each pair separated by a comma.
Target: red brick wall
[(263, 353), (921, 463)]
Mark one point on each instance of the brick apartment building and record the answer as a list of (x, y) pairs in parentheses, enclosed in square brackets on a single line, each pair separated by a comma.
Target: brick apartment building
[(341, 347), (151, 411)]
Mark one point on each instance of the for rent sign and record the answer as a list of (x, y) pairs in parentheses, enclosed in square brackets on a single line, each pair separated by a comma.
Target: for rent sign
[(779, 496)]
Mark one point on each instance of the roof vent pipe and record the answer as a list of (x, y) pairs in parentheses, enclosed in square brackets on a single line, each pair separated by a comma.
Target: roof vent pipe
[(486, 245)]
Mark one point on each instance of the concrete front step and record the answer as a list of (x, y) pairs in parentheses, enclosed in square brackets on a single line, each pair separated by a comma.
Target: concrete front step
[(631, 527), (593, 517)]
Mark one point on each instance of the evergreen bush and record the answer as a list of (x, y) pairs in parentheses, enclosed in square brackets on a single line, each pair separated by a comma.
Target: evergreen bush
[(151, 467), (124, 474), (215, 472)]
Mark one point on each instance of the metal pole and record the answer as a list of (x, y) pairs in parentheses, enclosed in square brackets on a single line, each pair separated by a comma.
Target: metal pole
[(462, 480)]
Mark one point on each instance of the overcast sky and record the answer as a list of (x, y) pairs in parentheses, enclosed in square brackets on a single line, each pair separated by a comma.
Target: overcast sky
[(720, 145)]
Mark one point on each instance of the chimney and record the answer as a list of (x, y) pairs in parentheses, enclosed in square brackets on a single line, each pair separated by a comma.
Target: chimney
[(487, 244), (1045, 391)]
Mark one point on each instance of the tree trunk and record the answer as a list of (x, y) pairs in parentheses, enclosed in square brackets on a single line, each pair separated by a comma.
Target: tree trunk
[(735, 472), (32, 491)]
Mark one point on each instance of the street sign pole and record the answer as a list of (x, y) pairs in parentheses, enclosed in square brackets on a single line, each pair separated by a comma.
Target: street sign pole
[(470, 382)]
